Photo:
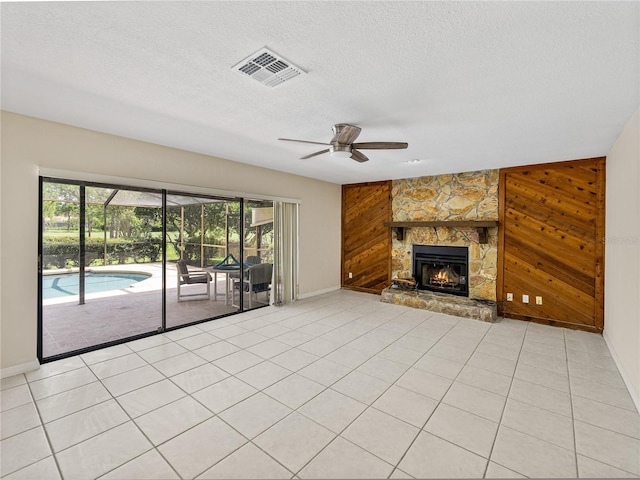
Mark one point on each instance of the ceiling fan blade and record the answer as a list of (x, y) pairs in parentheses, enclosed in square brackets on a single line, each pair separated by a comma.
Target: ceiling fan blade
[(314, 154), (303, 141), (380, 145), (345, 134), (359, 156)]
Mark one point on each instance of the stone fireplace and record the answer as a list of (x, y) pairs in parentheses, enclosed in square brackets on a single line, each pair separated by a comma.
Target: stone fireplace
[(469, 196), (441, 269)]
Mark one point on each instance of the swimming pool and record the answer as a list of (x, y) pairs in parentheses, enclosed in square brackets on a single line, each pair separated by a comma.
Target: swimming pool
[(64, 284)]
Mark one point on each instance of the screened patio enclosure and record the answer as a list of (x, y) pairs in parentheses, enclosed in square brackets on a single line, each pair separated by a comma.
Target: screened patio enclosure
[(109, 260)]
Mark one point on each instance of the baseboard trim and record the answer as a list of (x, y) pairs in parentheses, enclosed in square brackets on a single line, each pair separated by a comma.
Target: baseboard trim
[(18, 369), (318, 292), (623, 373)]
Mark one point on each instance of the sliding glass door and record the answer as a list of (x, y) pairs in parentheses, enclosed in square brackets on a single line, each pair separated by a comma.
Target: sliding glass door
[(201, 234), (119, 262), (101, 265)]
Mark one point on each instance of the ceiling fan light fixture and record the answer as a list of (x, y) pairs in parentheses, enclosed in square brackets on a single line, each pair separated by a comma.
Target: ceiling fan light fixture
[(340, 152)]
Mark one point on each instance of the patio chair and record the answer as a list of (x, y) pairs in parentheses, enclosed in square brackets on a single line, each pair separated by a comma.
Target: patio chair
[(193, 277), (257, 279)]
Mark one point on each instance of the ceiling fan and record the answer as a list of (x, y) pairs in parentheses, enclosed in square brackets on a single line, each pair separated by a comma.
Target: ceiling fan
[(342, 144)]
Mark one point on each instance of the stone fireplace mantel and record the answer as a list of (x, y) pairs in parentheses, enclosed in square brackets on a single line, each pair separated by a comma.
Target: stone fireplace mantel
[(480, 225)]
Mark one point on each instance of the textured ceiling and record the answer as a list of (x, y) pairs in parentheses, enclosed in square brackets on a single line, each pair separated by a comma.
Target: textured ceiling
[(469, 85)]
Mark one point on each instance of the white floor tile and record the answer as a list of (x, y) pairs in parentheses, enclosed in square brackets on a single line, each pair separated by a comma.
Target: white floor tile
[(255, 414), (237, 362), (162, 352), (198, 341), (247, 339), (606, 416), (294, 441), (60, 383), (162, 424), (590, 468), (178, 364), (22, 450), (14, 381), (147, 343), (557, 365), (546, 378), (400, 354), (439, 366), (319, 346), (222, 395), (464, 429), (540, 396), (532, 457), (383, 369), (433, 457), (55, 368), (148, 466), (109, 368), (360, 386), (45, 469), (269, 349), (294, 391), (498, 471), (263, 375), (406, 405), (608, 447), (381, 434), (216, 350), (484, 379), (80, 426), (615, 396), (248, 462), (198, 449), (324, 372), (104, 354), (455, 354), (148, 398), (333, 410), (343, 459), (129, 381), (294, 359), (424, 383), (543, 424), (18, 420), (198, 378), (103, 453), (474, 400), (493, 364), (71, 401)]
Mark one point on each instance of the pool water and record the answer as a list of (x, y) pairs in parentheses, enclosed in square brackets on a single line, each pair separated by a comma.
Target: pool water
[(61, 285)]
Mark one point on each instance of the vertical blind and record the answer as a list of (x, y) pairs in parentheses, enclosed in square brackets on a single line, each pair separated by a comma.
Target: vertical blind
[(285, 252)]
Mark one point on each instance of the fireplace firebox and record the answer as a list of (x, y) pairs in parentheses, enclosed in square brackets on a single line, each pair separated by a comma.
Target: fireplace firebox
[(441, 269)]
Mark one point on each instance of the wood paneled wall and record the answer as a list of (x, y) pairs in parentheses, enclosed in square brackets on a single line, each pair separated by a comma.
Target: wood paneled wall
[(551, 243), (366, 242)]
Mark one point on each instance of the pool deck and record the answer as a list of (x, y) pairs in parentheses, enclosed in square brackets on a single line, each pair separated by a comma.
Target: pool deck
[(118, 314)]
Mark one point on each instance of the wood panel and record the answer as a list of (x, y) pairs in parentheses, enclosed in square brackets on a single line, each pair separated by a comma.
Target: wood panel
[(366, 242), (551, 243)]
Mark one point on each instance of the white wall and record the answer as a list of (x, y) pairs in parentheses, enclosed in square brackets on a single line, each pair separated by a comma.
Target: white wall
[(622, 254), (29, 143)]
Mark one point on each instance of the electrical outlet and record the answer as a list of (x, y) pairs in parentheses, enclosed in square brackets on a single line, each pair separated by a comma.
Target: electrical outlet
[(509, 297), (350, 275), (525, 298), (538, 300)]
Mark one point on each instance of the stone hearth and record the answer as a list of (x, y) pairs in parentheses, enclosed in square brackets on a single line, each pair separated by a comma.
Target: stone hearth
[(484, 310)]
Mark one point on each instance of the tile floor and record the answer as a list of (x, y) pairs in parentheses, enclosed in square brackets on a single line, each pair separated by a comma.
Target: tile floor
[(334, 386)]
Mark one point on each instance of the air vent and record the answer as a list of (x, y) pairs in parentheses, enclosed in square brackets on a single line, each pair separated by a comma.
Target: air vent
[(268, 68)]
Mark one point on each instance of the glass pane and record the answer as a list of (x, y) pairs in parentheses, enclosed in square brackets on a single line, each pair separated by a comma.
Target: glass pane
[(197, 240), (122, 279), (258, 253)]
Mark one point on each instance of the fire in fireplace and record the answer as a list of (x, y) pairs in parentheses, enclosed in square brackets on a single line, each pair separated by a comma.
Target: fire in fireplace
[(441, 269)]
